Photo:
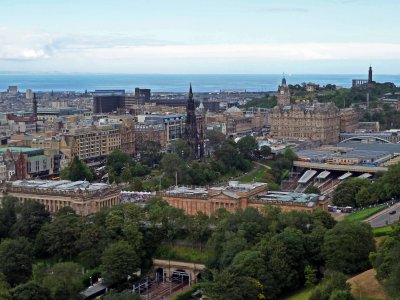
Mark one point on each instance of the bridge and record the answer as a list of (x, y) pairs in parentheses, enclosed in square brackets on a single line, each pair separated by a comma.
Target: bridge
[(344, 168), (168, 269), (381, 136)]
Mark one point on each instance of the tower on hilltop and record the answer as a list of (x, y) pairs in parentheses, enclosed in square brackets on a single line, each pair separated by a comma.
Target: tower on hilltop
[(283, 97), (193, 135), (370, 75)]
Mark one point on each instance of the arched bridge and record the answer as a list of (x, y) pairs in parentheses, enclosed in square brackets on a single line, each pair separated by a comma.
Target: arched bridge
[(383, 136), (167, 269)]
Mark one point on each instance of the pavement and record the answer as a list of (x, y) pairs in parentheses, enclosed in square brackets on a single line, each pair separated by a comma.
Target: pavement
[(383, 217)]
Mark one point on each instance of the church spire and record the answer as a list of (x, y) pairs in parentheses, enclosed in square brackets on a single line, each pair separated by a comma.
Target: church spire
[(190, 91)]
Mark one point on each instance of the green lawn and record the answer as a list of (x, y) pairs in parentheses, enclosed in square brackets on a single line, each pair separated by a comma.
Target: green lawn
[(363, 214), (183, 253), (303, 294), (381, 231), (254, 175)]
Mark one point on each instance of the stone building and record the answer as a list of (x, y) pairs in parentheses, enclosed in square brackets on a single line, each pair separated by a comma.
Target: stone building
[(304, 120), (231, 197), (239, 196), (85, 198), (348, 120)]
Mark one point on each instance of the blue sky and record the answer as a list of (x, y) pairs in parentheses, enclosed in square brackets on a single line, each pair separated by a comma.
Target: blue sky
[(219, 36)]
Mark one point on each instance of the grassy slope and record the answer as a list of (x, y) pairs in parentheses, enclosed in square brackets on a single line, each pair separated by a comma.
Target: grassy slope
[(366, 285), (255, 175), (363, 214), (183, 253), (303, 294)]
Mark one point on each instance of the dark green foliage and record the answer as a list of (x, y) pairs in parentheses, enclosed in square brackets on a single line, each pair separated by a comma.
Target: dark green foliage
[(215, 139), (59, 237), (16, 259), (231, 286), (312, 190), (63, 280), (4, 288), (264, 102), (345, 194), (31, 217), (229, 159), (8, 215), (310, 275), (182, 149), (30, 291), (282, 164), (361, 192), (122, 168), (347, 247), (77, 170), (125, 295), (118, 261), (150, 153), (333, 287), (248, 147), (387, 264)]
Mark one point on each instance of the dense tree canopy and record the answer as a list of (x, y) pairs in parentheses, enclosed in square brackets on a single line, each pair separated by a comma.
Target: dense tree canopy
[(342, 247), (77, 170)]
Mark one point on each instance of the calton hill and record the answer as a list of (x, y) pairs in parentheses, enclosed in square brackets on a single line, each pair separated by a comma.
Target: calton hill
[(248, 254)]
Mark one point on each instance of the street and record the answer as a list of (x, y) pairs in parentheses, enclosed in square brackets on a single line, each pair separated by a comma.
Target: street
[(384, 217)]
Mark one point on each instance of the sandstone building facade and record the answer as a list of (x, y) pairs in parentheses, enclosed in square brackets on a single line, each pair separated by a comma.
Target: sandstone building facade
[(312, 121)]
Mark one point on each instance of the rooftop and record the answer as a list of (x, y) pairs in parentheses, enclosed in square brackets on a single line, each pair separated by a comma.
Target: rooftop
[(20, 149), (289, 197), (61, 185)]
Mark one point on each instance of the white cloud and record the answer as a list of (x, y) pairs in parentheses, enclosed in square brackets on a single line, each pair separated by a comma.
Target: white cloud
[(51, 52)]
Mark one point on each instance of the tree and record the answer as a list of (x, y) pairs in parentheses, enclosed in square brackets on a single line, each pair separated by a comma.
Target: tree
[(347, 247), (8, 215), (125, 295), (117, 161), (92, 240), (215, 139), (59, 237), (265, 151), (30, 291), (230, 286), (16, 260), (199, 228), (31, 217), (4, 288), (229, 159), (387, 264), (118, 261), (310, 274), (345, 193), (248, 147), (312, 190), (333, 287), (172, 165), (77, 170), (182, 149), (63, 280), (150, 153)]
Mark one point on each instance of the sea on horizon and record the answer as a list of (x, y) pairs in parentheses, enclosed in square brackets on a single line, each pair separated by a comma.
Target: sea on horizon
[(174, 83)]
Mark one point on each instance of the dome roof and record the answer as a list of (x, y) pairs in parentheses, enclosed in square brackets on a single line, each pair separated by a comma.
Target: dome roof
[(233, 109)]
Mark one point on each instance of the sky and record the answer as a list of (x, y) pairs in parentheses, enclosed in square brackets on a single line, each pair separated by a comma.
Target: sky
[(200, 37)]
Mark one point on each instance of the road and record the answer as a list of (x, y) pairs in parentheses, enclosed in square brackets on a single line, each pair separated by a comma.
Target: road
[(383, 218)]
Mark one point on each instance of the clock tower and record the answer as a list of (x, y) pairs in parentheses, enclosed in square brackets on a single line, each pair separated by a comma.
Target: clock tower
[(283, 94)]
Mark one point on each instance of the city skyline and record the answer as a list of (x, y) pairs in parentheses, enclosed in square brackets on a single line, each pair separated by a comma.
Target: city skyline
[(178, 37)]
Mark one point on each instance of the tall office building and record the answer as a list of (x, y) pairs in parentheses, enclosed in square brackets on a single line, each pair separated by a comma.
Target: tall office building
[(106, 101)]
